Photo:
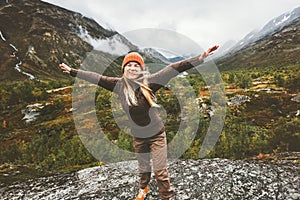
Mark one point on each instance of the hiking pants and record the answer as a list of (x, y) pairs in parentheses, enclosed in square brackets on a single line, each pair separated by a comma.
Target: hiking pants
[(154, 147)]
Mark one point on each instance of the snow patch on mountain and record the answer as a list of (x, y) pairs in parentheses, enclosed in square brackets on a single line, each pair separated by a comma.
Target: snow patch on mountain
[(285, 18)]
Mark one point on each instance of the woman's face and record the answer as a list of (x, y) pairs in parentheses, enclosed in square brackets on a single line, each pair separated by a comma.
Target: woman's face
[(132, 70)]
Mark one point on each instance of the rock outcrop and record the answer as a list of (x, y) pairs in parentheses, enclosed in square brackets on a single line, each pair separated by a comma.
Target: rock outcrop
[(192, 179)]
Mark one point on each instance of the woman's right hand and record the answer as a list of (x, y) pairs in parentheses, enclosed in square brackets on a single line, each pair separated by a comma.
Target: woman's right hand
[(65, 68), (208, 52)]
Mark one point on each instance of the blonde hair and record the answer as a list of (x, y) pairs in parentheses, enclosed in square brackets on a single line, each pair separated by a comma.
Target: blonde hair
[(146, 91)]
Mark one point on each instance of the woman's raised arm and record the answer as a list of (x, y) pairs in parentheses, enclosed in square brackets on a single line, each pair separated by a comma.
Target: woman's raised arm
[(106, 82), (162, 77)]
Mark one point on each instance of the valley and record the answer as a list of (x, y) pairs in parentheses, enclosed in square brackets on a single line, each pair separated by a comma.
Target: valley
[(38, 136)]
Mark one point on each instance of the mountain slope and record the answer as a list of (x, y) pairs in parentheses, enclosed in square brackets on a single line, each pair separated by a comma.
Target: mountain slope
[(275, 49), (273, 26), (39, 36)]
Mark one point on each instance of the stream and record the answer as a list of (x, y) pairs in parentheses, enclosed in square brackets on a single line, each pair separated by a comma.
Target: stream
[(14, 54)]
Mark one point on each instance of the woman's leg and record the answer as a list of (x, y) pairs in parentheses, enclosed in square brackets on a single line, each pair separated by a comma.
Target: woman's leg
[(159, 159), (142, 151)]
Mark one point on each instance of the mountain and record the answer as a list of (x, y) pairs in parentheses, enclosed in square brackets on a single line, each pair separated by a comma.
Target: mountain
[(36, 36), (223, 49), (277, 44), (155, 54), (273, 26)]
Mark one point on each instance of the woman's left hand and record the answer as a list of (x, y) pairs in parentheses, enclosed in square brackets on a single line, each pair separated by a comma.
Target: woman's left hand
[(208, 52)]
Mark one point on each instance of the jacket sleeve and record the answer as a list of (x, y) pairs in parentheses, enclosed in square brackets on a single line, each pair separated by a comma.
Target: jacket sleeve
[(162, 77), (106, 82)]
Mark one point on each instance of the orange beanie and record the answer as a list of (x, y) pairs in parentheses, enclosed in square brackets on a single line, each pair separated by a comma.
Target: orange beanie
[(133, 57)]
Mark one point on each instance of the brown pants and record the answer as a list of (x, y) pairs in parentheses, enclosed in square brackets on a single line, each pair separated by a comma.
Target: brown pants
[(156, 147)]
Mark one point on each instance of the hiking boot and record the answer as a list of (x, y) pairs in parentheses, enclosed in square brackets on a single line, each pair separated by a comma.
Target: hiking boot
[(142, 193)]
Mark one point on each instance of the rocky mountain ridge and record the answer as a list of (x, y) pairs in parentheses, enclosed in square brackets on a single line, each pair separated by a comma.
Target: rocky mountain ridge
[(36, 36)]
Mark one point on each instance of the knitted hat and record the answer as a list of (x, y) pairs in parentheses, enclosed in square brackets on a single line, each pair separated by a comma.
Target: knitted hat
[(133, 57)]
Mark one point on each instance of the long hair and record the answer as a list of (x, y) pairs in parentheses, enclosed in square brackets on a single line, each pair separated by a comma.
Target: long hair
[(142, 82)]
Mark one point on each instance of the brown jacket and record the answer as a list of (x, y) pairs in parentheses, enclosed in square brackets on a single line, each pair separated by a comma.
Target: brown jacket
[(144, 120)]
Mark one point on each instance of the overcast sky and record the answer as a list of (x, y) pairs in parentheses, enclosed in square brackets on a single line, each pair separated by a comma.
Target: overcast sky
[(205, 22)]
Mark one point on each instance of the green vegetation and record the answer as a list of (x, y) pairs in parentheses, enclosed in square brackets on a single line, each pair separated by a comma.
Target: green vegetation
[(52, 143)]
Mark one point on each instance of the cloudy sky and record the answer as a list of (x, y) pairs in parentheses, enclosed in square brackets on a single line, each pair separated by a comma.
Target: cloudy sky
[(205, 22)]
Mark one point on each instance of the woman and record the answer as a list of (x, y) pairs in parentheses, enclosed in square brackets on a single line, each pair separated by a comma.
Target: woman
[(136, 90)]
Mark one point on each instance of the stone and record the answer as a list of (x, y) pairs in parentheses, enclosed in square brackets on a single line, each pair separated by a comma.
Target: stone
[(192, 179)]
